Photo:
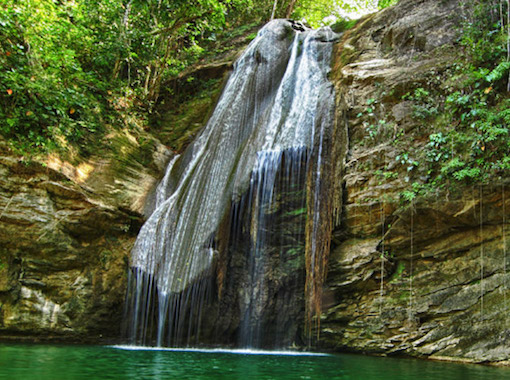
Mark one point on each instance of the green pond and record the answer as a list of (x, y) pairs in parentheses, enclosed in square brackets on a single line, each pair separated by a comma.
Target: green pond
[(41, 362)]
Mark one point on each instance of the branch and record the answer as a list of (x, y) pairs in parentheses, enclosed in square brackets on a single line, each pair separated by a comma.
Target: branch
[(179, 23)]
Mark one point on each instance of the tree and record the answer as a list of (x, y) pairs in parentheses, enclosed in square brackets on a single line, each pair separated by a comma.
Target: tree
[(317, 12)]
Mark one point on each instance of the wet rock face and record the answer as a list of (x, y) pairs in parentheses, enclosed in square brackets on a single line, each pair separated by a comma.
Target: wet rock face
[(444, 293), (63, 256), (441, 289), (262, 301)]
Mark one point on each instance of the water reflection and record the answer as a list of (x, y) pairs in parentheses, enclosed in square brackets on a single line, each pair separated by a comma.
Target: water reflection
[(44, 362)]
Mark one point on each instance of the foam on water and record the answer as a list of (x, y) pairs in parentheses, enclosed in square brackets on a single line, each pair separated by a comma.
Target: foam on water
[(219, 351)]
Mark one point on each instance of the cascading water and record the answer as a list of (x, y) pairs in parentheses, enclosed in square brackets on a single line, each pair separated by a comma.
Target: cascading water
[(276, 192), (256, 165)]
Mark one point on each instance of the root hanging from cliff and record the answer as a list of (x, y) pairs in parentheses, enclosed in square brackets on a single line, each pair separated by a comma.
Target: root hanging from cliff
[(381, 290), (383, 253), (317, 252), (410, 312), (503, 233), (481, 252), (6, 206), (319, 227)]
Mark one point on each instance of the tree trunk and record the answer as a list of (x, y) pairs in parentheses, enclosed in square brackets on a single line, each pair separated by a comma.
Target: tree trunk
[(508, 39), (501, 18), (290, 8), (123, 39), (274, 9)]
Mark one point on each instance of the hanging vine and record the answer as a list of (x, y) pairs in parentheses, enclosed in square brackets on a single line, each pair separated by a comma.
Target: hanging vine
[(481, 253), (410, 312)]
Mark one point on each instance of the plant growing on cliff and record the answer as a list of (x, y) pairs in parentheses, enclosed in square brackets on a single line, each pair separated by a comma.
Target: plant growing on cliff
[(425, 106), (470, 139)]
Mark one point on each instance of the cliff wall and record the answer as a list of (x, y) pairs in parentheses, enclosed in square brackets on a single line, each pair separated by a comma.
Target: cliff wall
[(425, 276)]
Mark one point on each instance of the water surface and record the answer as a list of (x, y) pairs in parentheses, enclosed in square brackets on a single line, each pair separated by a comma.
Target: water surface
[(45, 362)]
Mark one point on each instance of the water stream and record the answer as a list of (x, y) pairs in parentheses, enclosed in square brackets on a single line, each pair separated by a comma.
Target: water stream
[(54, 362), (265, 143)]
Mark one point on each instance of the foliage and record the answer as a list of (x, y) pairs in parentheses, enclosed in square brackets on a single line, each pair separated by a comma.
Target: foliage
[(325, 12), (314, 12), (469, 142), (375, 126), (72, 69), (158, 38), (343, 25), (479, 145), (386, 3), (424, 104), (483, 33), (47, 93)]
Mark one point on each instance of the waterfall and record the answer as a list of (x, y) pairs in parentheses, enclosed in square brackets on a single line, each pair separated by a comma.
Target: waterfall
[(257, 162)]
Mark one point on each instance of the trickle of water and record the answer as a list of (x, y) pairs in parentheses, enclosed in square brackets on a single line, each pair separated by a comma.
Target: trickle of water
[(166, 186), (276, 192), (269, 122)]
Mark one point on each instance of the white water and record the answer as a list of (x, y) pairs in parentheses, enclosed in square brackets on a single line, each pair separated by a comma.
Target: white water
[(220, 351), (271, 104)]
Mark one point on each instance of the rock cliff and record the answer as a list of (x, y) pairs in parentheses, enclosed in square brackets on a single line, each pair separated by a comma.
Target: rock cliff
[(66, 233), (423, 278)]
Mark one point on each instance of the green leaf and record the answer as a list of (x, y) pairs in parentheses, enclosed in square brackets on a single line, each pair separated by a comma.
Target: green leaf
[(499, 72)]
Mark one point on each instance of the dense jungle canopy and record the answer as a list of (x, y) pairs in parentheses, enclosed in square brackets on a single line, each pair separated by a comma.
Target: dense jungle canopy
[(69, 67)]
